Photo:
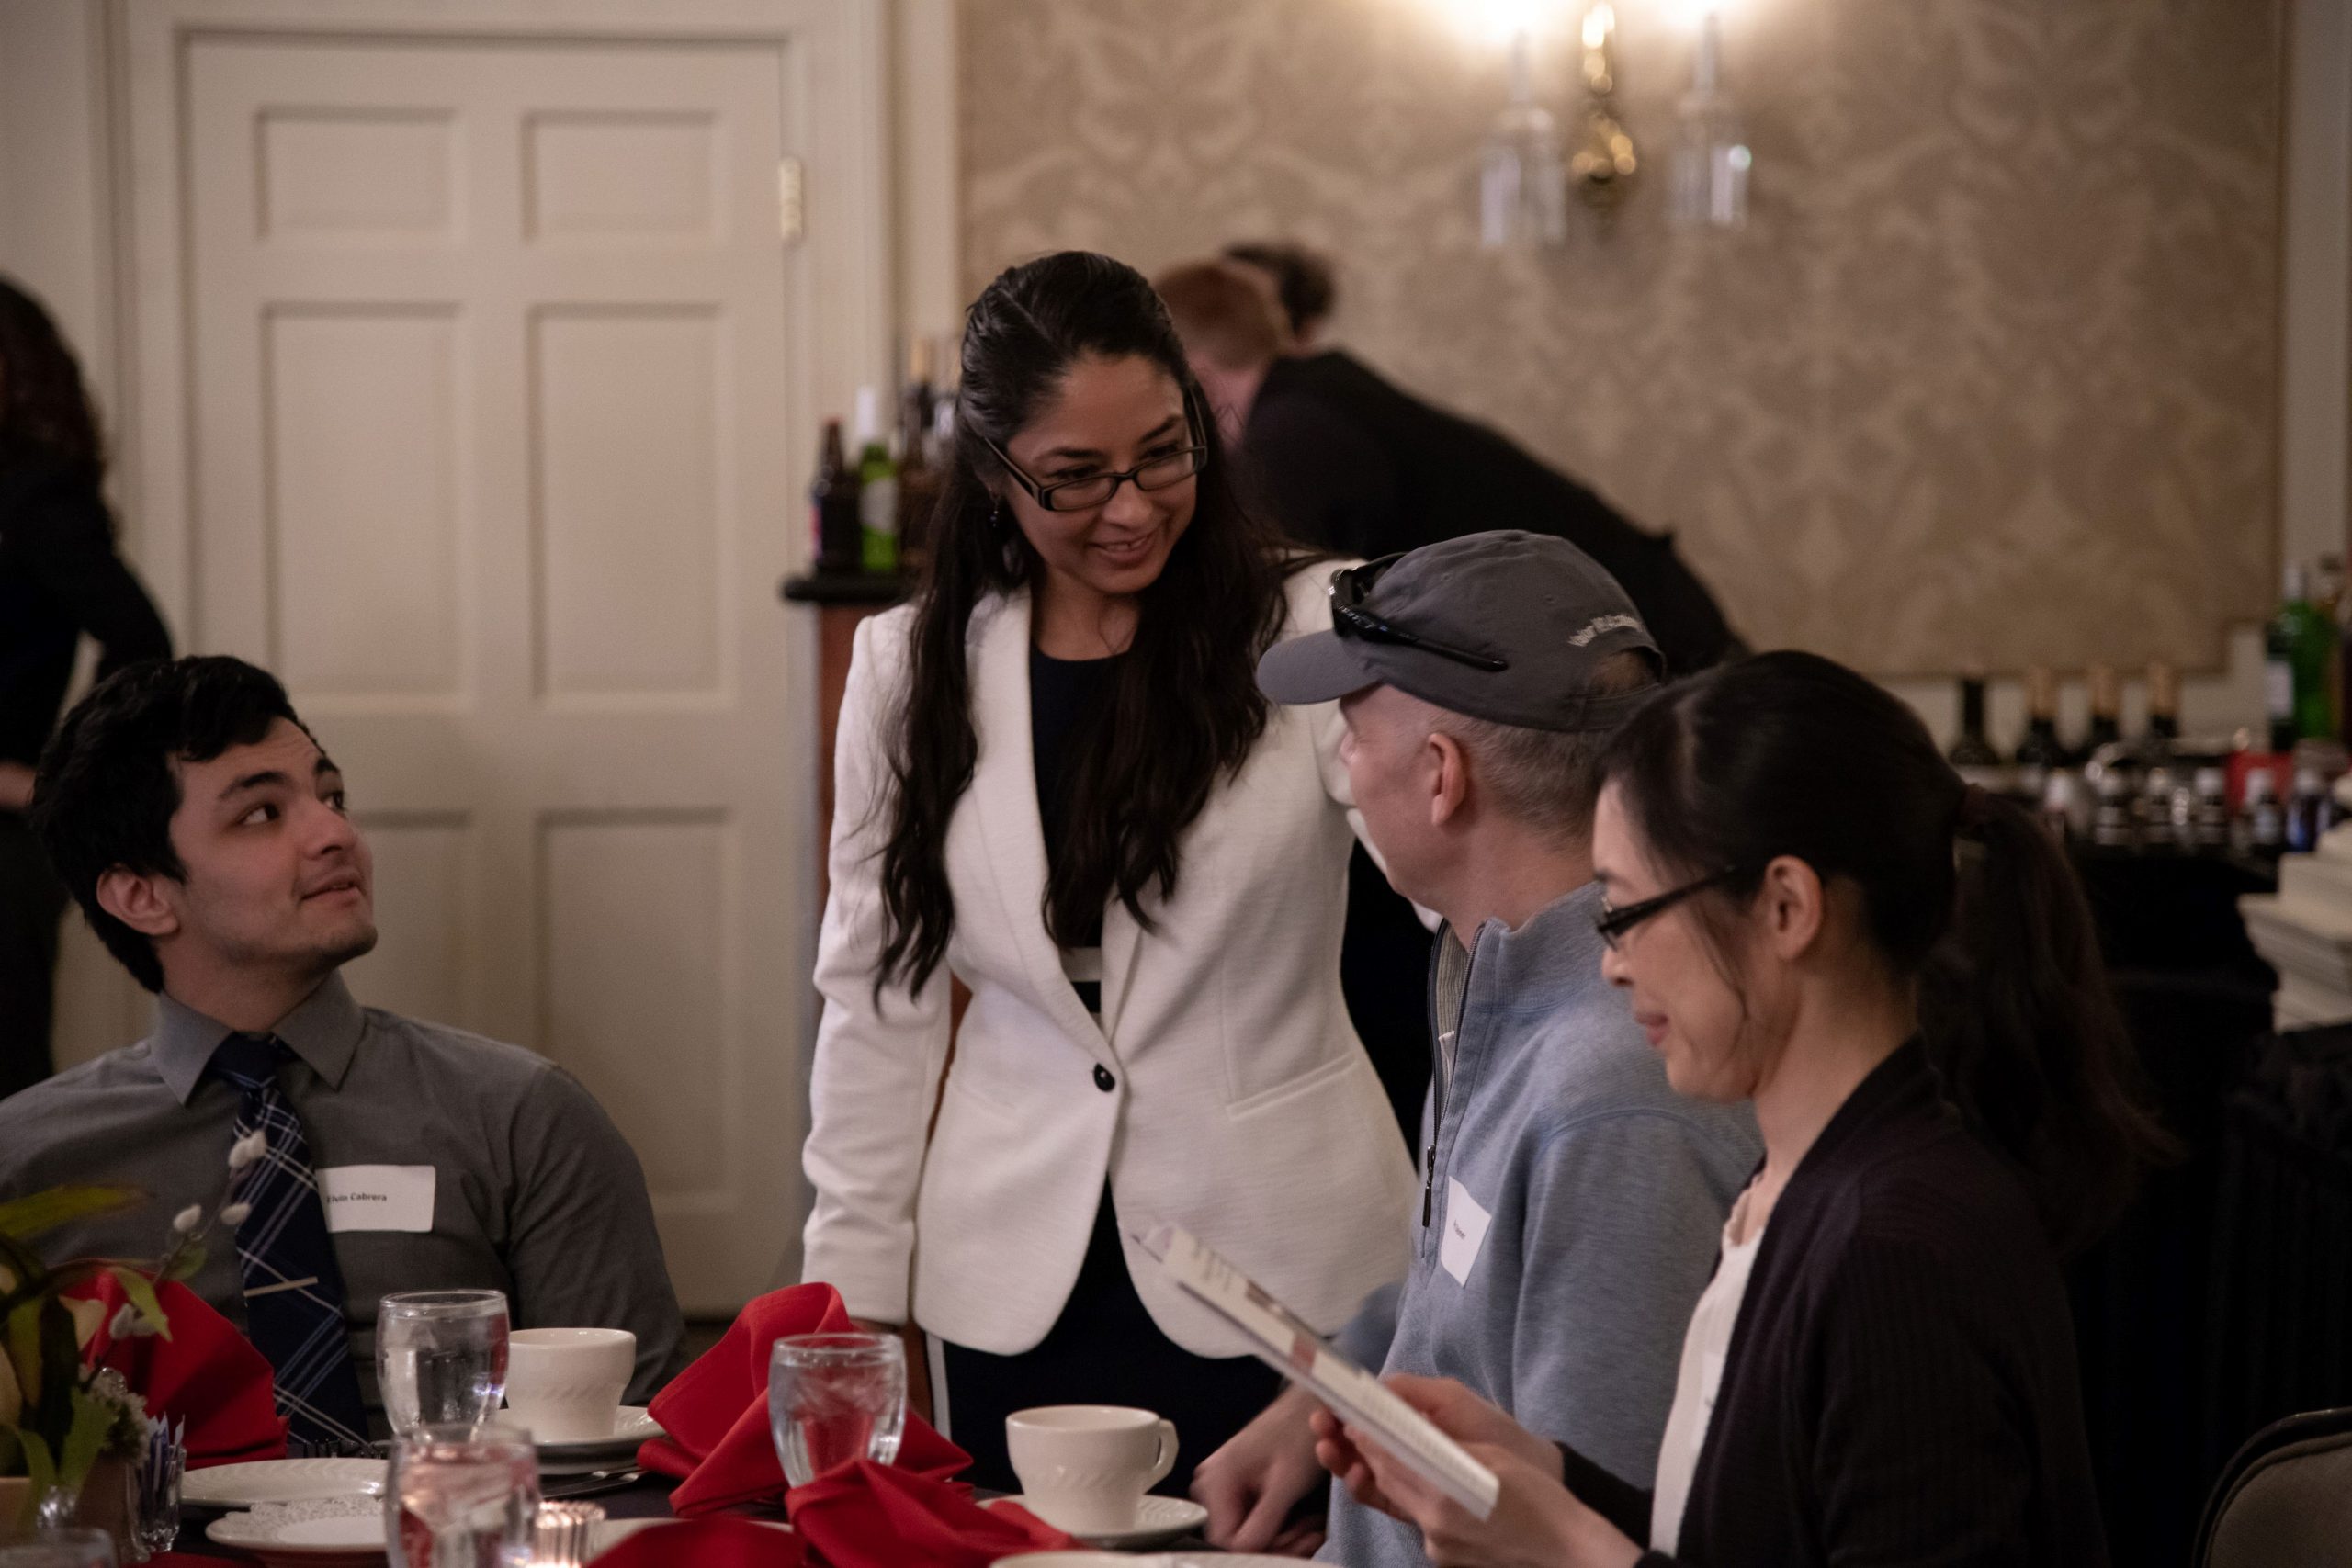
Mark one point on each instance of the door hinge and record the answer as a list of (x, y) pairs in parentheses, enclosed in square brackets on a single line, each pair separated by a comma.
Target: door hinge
[(791, 214)]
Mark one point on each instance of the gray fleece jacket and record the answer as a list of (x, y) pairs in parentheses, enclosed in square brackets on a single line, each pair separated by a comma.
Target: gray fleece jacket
[(1573, 1208)]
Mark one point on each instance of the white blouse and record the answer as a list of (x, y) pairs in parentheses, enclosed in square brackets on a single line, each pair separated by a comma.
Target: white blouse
[(1704, 1346)]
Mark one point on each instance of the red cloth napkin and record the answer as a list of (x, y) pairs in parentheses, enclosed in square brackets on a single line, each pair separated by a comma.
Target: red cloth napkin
[(715, 1412), (869, 1516), (207, 1374), (707, 1543)]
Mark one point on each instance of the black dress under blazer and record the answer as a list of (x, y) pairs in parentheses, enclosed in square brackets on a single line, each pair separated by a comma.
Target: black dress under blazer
[(1900, 1385)]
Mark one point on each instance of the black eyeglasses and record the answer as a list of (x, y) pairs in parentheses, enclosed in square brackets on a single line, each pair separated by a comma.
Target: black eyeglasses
[(1612, 924), (1351, 587), (1096, 489)]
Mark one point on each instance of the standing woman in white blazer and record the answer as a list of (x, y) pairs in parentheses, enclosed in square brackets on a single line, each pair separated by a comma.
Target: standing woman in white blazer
[(1056, 781)]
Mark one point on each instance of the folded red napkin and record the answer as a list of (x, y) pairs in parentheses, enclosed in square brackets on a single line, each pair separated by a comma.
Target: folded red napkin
[(871, 1515), (715, 1412), (206, 1374), (706, 1543)]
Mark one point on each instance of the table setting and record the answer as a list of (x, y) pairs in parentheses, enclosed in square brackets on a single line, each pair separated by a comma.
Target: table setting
[(788, 1444)]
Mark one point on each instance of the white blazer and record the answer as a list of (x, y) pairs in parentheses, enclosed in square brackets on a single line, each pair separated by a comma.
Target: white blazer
[(1240, 1104)]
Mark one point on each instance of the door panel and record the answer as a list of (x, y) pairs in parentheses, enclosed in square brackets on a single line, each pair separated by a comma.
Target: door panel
[(488, 363)]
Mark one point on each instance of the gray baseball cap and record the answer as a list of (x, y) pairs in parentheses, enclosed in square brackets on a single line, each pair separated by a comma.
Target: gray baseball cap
[(1508, 627)]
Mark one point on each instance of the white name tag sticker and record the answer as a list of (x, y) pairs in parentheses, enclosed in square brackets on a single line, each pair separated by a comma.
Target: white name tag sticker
[(1465, 1231), (377, 1197)]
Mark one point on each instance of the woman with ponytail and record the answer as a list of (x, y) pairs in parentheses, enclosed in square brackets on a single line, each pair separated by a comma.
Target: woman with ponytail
[(1059, 783), (1812, 913)]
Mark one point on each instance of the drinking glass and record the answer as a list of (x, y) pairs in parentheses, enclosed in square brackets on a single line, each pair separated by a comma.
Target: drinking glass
[(461, 1496), (833, 1398), (155, 1523), (441, 1355), (59, 1549)]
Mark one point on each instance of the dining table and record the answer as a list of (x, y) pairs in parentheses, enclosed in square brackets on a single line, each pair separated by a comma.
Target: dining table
[(646, 1495)]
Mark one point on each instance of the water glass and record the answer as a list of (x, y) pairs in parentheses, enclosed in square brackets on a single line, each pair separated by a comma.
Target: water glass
[(833, 1398), (461, 1496), (59, 1549), (441, 1357)]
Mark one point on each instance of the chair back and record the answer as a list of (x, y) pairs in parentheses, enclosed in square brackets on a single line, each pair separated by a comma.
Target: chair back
[(2285, 1501)]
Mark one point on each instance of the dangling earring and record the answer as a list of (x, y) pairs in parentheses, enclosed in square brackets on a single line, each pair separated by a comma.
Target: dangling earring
[(996, 513)]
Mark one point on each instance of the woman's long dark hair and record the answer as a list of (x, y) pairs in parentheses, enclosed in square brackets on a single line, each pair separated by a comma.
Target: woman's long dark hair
[(43, 405), (1184, 709), (1791, 754)]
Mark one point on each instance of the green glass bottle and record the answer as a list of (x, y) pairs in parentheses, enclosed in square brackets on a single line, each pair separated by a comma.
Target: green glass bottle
[(877, 495), (2298, 647)]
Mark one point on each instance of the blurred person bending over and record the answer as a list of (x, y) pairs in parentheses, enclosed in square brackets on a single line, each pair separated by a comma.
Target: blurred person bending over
[(1350, 462), (203, 831), (59, 578), (1302, 283)]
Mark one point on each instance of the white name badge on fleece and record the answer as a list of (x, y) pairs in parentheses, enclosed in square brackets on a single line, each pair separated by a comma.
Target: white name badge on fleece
[(1465, 1231), (377, 1197)]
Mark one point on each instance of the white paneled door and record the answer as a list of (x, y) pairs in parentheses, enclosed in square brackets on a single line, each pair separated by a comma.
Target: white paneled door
[(490, 387)]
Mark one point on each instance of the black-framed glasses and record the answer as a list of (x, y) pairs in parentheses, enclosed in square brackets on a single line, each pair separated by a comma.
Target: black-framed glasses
[(1351, 587), (1084, 494), (1612, 924)]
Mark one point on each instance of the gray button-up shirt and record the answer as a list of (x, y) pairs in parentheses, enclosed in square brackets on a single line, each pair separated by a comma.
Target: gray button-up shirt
[(535, 1192)]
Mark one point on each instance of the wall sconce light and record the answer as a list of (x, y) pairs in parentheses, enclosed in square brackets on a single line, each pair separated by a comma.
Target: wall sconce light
[(1711, 156), (1522, 182), (1602, 168)]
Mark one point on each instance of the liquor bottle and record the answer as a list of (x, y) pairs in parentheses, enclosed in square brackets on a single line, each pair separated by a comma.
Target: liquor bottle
[(2164, 704), (2107, 710), (2211, 826), (2298, 646), (2310, 813), (877, 479), (919, 474), (2327, 599), (1972, 756), (832, 506), (2040, 752), (2265, 826), (2115, 818)]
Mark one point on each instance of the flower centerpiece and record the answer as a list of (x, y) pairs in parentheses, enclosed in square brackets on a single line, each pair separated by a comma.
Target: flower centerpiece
[(62, 1417)]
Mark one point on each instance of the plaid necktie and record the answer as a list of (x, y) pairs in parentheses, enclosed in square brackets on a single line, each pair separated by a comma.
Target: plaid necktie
[(293, 1289)]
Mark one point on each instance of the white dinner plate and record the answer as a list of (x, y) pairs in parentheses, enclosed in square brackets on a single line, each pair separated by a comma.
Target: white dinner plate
[(1160, 1521), (325, 1532), (281, 1481)]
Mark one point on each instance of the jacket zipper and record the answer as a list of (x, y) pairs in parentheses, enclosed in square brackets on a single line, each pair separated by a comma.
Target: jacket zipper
[(1437, 1068)]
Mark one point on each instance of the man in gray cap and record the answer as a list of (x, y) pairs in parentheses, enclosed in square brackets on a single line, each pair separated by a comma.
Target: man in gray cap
[(1571, 1201)]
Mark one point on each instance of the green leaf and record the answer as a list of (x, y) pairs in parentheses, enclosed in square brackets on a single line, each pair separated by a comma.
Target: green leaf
[(142, 1296), (185, 1264), (12, 1457), (85, 1440), (61, 1369), (24, 1350), (25, 1218), (38, 1465)]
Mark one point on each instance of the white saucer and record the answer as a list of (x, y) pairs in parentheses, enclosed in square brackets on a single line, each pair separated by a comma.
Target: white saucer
[(281, 1481), (1160, 1521), (632, 1428)]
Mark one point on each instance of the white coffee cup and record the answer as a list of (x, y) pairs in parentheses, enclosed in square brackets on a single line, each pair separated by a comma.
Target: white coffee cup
[(565, 1385), (1084, 1468)]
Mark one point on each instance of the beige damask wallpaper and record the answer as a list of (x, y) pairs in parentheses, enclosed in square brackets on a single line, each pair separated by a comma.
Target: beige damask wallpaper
[(1990, 377)]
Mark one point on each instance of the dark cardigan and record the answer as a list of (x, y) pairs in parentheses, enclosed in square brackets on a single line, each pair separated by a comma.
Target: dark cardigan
[(1901, 1385)]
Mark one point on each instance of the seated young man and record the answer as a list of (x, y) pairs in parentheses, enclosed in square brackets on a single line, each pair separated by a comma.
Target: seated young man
[(1571, 1199), (203, 831)]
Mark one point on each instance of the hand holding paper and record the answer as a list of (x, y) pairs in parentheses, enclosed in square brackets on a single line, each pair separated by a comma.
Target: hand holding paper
[(1292, 1347)]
